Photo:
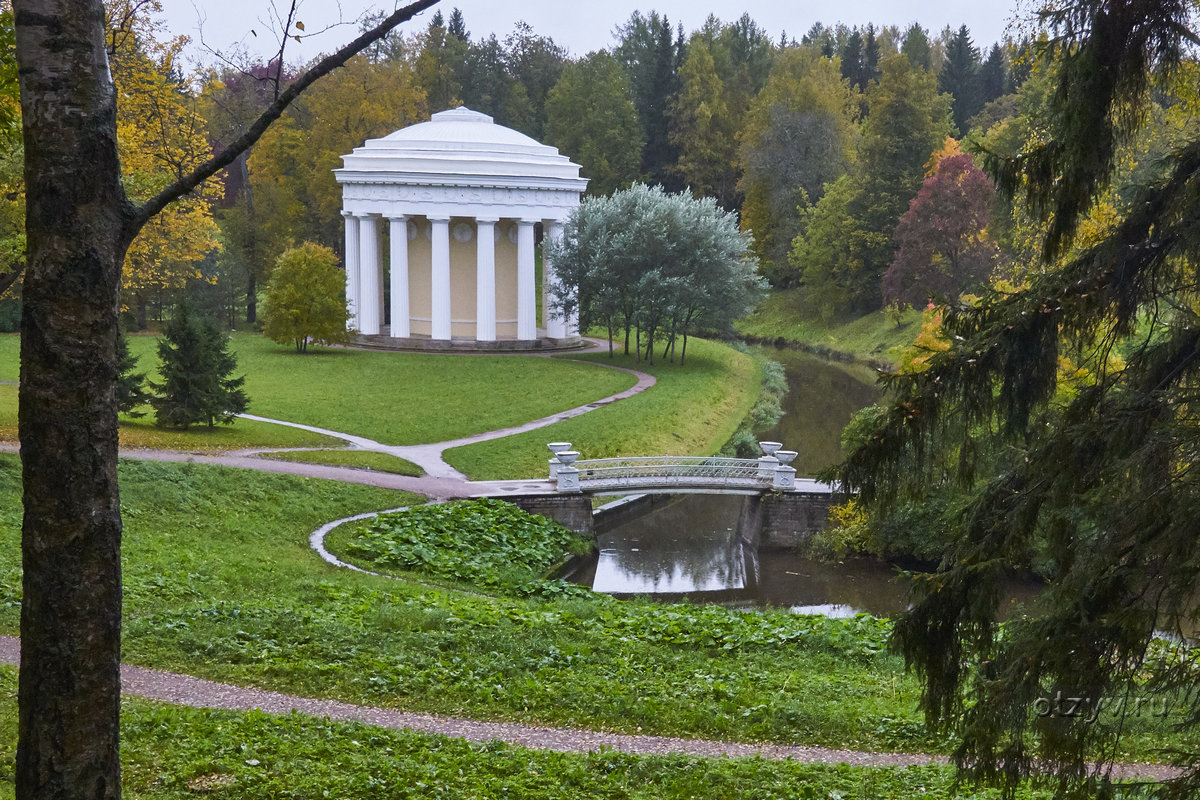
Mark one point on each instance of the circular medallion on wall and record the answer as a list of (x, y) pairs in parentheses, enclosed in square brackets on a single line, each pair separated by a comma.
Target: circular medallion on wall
[(512, 233), (412, 230), (497, 232), (463, 232)]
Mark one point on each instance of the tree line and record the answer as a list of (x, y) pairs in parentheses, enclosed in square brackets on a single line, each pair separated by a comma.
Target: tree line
[(764, 125)]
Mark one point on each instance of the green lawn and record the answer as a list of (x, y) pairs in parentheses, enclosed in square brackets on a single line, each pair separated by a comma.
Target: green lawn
[(873, 337), (361, 459), (407, 398), (692, 410), (141, 432), (412, 398), (395, 398), (221, 583)]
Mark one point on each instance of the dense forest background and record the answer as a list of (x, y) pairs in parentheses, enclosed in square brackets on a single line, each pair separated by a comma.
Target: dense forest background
[(850, 154)]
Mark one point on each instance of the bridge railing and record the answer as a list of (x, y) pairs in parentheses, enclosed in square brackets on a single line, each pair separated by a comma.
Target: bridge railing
[(573, 475)]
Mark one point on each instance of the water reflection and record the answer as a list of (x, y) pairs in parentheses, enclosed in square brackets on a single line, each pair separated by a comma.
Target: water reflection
[(688, 547), (667, 552)]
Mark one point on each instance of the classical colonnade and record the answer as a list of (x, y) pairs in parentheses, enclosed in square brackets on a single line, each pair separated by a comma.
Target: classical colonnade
[(432, 294)]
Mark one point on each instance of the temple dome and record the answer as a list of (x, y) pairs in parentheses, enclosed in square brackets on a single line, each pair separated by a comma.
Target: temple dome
[(461, 147)]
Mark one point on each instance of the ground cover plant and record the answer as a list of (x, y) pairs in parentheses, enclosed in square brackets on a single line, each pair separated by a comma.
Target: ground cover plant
[(693, 409), (171, 752), (345, 457), (488, 543)]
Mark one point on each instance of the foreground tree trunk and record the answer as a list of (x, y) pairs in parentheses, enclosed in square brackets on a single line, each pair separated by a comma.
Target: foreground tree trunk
[(70, 685), (78, 226)]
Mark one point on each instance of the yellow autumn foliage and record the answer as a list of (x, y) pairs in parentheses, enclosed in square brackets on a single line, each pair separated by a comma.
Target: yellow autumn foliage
[(160, 137)]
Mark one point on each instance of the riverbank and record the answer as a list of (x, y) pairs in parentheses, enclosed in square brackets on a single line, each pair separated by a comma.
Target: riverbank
[(876, 339)]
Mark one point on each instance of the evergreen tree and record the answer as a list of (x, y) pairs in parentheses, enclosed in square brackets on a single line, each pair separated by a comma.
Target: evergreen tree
[(959, 78), (647, 51), (130, 393), (870, 56), (852, 60), (993, 75), (458, 27), (196, 368), (916, 47), (1074, 460)]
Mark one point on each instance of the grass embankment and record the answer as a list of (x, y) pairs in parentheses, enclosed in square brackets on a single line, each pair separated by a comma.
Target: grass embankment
[(875, 337), (692, 410), (220, 582), (359, 459), (169, 753)]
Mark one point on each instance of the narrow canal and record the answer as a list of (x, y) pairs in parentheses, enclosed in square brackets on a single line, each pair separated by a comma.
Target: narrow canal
[(688, 547)]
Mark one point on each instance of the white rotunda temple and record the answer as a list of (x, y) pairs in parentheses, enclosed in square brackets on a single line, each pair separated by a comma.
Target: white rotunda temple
[(462, 197)]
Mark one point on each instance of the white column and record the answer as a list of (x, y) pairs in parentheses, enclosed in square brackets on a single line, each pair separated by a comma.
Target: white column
[(351, 269), (526, 291), (398, 273), (485, 280), (440, 288), (370, 286), (556, 327)]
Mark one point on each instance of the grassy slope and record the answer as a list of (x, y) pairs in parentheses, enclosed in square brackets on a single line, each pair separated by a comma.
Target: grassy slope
[(873, 337), (220, 582), (360, 459), (170, 752), (693, 409)]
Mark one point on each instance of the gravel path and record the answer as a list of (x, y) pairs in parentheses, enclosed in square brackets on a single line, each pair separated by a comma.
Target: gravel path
[(185, 690)]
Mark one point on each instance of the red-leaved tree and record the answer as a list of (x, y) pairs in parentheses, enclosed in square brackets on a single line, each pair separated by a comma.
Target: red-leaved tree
[(941, 244)]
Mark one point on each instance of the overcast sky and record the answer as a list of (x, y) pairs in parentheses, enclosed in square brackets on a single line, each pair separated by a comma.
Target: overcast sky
[(579, 25)]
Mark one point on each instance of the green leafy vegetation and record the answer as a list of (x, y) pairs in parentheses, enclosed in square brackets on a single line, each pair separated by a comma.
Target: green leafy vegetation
[(489, 543), (306, 298), (764, 414), (693, 408)]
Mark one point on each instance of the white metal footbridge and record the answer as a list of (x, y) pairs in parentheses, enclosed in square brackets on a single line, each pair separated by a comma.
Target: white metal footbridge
[(674, 474)]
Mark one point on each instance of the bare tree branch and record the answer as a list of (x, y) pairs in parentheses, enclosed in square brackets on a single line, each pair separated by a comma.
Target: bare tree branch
[(138, 216)]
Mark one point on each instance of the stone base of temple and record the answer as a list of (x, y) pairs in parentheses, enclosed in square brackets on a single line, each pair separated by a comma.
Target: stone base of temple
[(426, 345)]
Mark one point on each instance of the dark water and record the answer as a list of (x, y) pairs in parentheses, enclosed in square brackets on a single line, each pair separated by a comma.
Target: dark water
[(821, 398), (689, 549)]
